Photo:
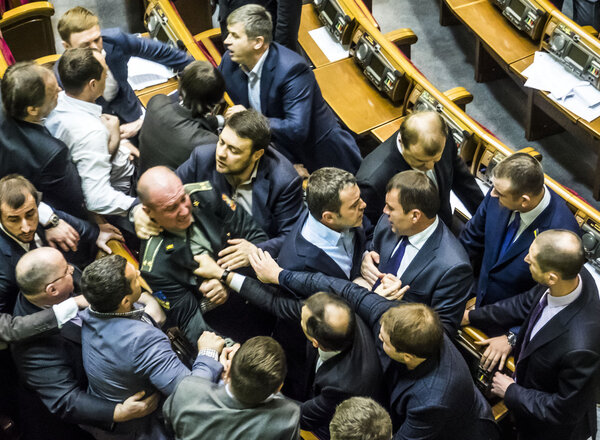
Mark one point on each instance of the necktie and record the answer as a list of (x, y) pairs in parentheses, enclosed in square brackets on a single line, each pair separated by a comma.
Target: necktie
[(535, 317), (392, 265), (510, 234)]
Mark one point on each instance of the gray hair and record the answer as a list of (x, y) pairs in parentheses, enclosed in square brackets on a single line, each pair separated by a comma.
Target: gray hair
[(256, 19)]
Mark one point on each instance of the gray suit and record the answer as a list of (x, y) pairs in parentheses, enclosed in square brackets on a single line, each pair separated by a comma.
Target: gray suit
[(200, 409)]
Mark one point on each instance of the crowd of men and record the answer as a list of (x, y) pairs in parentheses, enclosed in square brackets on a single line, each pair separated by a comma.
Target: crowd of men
[(273, 308)]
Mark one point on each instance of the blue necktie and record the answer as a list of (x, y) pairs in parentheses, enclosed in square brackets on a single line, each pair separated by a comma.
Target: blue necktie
[(510, 234), (392, 265)]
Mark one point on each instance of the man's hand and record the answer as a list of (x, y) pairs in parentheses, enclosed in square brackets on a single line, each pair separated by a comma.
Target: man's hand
[(111, 123), (207, 267), (135, 407), (81, 302), (107, 232), (236, 256), (214, 291), (134, 153), (465, 318), (391, 288), (497, 349), (64, 236), (226, 358), (145, 227), (368, 267), (266, 268), (301, 170), (153, 308), (500, 383), (210, 341), (130, 129), (233, 110)]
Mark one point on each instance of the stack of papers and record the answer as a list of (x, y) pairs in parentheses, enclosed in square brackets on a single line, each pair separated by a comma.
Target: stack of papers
[(145, 73), (574, 94), (332, 48)]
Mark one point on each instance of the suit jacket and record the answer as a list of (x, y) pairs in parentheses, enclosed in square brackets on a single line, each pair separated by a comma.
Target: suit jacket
[(299, 254), (354, 372), (277, 200), (440, 274), (304, 128), (483, 236), (438, 399), (11, 252), (19, 328), (169, 134), (451, 174), (553, 398), (51, 367), (200, 409), (30, 150)]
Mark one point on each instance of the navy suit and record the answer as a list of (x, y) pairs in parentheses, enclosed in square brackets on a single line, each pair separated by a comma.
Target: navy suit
[(30, 150), (436, 400), (553, 398), (304, 128), (451, 173), (276, 192), (440, 274), (483, 236)]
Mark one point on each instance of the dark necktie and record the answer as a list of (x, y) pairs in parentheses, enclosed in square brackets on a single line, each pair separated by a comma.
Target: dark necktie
[(535, 317), (392, 265), (510, 234)]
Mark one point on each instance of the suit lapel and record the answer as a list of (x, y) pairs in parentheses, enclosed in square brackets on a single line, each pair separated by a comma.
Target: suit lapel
[(317, 260), (496, 237), (424, 256), (266, 78), (260, 193)]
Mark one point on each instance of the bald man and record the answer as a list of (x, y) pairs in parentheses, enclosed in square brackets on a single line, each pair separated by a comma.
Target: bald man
[(195, 219), (422, 143), (557, 351)]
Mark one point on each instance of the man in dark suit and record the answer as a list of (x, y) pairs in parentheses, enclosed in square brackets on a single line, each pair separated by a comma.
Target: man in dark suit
[(171, 130), (557, 352), (279, 83), (53, 393), (422, 143), (195, 219), (411, 243), (329, 238), (79, 27), (513, 213), (431, 392), (341, 359), (29, 94)]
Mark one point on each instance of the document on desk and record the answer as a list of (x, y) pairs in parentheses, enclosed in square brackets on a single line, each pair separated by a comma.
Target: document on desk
[(332, 48), (574, 94), (145, 73)]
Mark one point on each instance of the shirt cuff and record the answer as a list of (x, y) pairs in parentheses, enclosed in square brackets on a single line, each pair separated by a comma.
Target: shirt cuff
[(210, 353), (65, 311), (44, 213), (236, 282), (220, 121)]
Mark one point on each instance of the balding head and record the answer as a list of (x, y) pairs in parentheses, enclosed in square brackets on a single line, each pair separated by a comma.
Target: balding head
[(44, 276), (424, 135), (557, 251), (328, 321), (164, 198)]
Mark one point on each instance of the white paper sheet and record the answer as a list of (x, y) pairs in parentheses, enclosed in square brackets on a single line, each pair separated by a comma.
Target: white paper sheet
[(144, 73), (332, 49)]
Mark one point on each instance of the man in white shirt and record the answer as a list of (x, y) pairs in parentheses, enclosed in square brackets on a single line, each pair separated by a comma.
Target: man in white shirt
[(102, 159)]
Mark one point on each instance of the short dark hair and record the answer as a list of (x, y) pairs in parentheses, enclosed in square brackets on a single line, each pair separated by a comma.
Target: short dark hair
[(201, 86), (256, 19), (317, 326), (77, 67), (414, 328), (23, 85), (14, 190), (416, 191), (323, 190), (561, 251), (524, 172), (360, 418), (104, 284), (411, 132), (250, 124), (257, 369)]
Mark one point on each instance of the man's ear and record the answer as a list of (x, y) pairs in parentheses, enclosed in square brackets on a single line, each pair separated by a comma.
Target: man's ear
[(552, 278), (126, 302), (327, 217), (525, 201), (33, 111), (65, 45), (260, 42), (415, 215), (258, 154)]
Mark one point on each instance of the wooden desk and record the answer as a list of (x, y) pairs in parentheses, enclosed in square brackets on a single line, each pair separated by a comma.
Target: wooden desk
[(144, 95), (353, 99), (383, 132), (308, 22)]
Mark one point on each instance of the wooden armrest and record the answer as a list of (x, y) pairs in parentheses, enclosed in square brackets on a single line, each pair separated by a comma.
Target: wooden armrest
[(460, 96), (206, 39), (47, 60), (119, 248), (532, 152), (478, 335), (307, 435), (207, 34), (590, 30), (402, 37), (24, 12)]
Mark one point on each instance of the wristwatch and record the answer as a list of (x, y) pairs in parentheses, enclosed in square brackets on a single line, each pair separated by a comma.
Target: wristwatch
[(226, 273), (512, 339), (52, 222)]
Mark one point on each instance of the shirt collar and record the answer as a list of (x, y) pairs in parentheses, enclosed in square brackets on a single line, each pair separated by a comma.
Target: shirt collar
[(529, 216), (257, 69), (327, 234), (565, 300), (418, 240), (136, 313), (252, 176), (87, 107), (326, 355)]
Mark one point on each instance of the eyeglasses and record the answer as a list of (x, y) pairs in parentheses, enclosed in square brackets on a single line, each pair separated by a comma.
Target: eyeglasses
[(68, 271)]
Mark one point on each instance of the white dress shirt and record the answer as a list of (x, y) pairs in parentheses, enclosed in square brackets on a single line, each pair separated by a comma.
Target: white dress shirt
[(77, 123), (415, 243), (555, 305), (111, 87), (254, 82)]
